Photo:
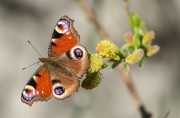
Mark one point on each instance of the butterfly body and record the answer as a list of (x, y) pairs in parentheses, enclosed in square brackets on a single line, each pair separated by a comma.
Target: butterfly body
[(66, 63)]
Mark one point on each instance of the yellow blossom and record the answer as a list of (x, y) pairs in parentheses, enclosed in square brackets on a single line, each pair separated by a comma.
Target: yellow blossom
[(152, 50), (95, 63), (148, 37), (108, 49), (135, 56)]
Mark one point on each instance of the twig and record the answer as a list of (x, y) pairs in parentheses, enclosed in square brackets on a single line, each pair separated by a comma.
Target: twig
[(91, 15), (126, 7), (127, 80), (167, 114)]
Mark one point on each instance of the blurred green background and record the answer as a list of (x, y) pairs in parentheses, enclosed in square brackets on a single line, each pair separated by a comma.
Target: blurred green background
[(158, 82)]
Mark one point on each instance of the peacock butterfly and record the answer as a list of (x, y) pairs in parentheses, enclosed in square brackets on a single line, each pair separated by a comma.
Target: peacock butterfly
[(66, 63)]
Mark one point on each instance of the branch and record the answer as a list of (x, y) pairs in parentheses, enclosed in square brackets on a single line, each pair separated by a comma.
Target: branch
[(126, 78), (167, 114), (126, 7)]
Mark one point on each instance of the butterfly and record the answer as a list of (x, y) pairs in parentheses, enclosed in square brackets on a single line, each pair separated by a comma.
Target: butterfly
[(60, 74)]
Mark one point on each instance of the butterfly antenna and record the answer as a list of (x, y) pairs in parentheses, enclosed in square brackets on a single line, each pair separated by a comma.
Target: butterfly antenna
[(34, 48), (30, 65)]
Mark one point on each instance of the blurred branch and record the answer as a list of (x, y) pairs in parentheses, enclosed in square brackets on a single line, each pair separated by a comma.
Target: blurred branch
[(126, 78), (91, 16), (167, 114), (127, 9)]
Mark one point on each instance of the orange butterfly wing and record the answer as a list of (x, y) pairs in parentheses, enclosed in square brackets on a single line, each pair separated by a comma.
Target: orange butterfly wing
[(64, 37), (39, 87)]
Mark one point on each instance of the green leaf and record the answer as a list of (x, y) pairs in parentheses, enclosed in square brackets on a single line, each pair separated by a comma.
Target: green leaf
[(121, 54), (135, 21), (131, 48), (115, 64), (105, 64), (147, 45), (126, 67), (91, 81), (116, 58), (125, 46), (141, 62), (136, 40)]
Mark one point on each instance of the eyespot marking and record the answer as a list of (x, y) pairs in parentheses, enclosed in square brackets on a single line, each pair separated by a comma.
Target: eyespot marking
[(59, 90), (78, 53), (66, 22), (28, 93), (62, 26)]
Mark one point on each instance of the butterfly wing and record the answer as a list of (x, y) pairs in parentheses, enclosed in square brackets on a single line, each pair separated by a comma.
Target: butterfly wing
[(64, 86), (64, 37), (76, 60), (73, 59), (39, 87), (75, 63)]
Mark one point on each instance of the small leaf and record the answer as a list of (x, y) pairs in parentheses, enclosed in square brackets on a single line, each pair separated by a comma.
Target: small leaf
[(126, 67), (125, 46), (104, 65), (116, 58), (136, 40), (141, 62), (121, 54), (147, 45), (115, 64), (91, 81), (131, 48), (135, 21)]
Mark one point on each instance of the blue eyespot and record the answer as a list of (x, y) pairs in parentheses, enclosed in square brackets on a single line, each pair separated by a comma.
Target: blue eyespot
[(59, 90), (28, 94), (78, 53), (66, 22)]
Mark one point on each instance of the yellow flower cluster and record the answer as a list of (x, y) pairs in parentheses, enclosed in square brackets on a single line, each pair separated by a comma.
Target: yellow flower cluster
[(96, 63), (107, 49)]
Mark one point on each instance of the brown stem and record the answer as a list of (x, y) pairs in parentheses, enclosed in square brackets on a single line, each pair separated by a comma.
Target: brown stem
[(126, 7), (127, 80), (91, 15), (167, 114)]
